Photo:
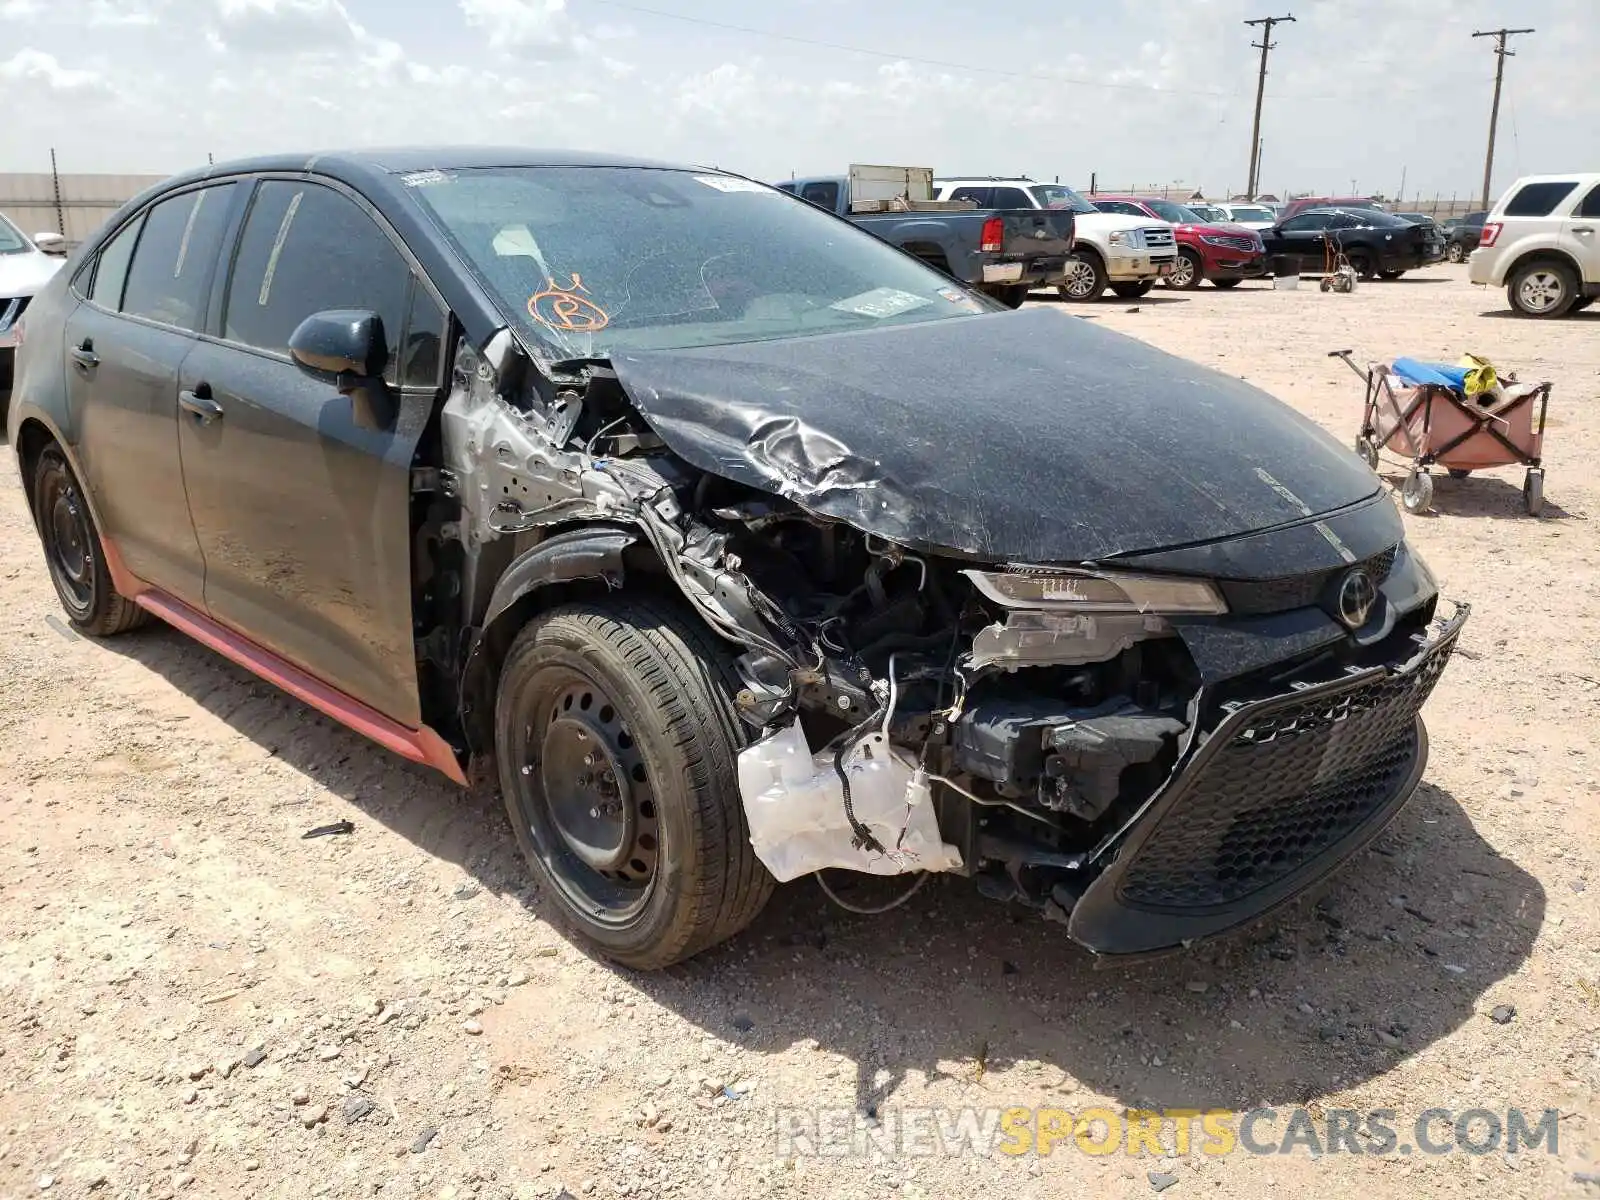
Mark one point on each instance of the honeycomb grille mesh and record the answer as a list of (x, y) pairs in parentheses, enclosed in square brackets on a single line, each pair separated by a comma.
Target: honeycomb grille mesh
[(1285, 788), (1257, 597)]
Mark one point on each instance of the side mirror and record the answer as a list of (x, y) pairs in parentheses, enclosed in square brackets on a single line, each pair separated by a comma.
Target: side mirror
[(347, 348), (50, 243)]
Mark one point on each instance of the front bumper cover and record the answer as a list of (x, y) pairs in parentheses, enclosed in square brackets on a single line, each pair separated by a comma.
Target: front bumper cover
[(1280, 792)]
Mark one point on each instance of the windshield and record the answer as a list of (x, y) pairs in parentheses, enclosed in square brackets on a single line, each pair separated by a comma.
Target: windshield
[(591, 260), (1168, 211), (1056, 195), (11, 239), (1207, 212), (1252, 212)]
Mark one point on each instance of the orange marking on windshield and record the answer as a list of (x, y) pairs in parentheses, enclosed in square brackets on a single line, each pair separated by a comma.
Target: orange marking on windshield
[(564, 308)]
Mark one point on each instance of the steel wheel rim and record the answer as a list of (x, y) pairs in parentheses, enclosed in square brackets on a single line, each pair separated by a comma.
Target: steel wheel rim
[(69, 540), (1455, 254), (1079, 282), (584, 794), (1182, 271), (1541, 291)]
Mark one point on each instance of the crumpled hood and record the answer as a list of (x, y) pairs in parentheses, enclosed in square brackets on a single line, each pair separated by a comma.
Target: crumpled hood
[(1024, 436), (24, 274)]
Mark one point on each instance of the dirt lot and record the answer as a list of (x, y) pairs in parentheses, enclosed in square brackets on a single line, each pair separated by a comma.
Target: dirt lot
[(194, 1000)]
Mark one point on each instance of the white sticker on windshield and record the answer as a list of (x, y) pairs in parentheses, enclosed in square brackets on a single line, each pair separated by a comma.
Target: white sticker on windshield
[(424, 178), (881, 302), (732, 183)]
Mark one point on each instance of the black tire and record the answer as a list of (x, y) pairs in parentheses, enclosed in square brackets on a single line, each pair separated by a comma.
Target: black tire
[(1133, 290), (1390, 274), (1361, 262), (1011, 295), (667, 686), (1578, 305), (1458, 472), (1456, 252), (1086, 278), (74, 553), (1225, 284), (1188, 272), (1542, 288)]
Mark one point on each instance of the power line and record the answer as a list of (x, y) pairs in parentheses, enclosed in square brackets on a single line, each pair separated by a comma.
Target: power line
[(1500, 56), (1264, 45)]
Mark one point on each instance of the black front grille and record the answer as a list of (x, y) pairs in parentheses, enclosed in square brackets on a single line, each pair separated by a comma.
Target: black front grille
[(1257, 597), (1286, 787)]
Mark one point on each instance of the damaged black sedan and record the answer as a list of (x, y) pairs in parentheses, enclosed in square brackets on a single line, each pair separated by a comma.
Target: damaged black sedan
[(748, 546)]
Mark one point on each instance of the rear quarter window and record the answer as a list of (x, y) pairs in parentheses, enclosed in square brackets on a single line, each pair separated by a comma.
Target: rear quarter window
[(1591, 204), (1539, 199), (1010, 197), (111, 268)]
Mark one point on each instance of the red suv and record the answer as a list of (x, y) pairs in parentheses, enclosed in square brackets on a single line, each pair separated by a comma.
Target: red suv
[(1224, 254)]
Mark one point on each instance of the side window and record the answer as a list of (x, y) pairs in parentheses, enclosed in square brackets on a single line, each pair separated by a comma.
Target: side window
[(1118, 206), (306, 248), (823, 195), (423, 351), (981, 196), (172, 265), (1345, 221), (1539, 199), (111, 270), (1306, 223), (1010, 197), (1591, 204)]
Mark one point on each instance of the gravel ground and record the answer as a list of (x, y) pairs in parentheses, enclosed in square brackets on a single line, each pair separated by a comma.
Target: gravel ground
[(196, 1001)]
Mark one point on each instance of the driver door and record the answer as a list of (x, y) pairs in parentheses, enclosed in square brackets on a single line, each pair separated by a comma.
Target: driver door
[(304, 516)]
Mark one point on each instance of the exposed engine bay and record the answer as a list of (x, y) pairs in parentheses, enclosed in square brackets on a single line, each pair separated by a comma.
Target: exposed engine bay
[(916, 708)]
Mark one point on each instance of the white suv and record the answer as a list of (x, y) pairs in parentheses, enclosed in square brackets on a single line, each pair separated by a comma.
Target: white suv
[(1542, 244), (25, 266), (1127, 254)]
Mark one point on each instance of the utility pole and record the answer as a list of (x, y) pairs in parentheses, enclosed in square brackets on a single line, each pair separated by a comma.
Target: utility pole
[(1500, 56), (1265, 44)]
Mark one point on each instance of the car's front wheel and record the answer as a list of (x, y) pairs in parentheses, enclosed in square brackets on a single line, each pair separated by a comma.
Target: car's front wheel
[(1134, 288), (74, 553), (1456, 252), (1187, 272), (1085, 278), (617, 740)]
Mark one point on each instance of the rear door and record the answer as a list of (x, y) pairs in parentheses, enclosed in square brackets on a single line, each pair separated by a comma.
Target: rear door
[(304, 516), (1581, 234), (124, 346)]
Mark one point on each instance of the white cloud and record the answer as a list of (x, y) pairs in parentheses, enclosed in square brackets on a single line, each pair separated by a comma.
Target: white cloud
[(31, 66), (535, 26), (15, 10)]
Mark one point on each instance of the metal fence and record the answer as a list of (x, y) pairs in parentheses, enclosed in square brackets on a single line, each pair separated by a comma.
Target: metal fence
[(1438, 206), (71, 205)]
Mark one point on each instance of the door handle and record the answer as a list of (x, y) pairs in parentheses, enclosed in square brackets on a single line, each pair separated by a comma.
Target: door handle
[(200, 405), (1583, 229), (84, 356)]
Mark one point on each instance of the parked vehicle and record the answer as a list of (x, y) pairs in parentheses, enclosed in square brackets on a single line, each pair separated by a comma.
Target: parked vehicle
[(1224, 254), (1305, 203), (1003, 245), (1541, 242), (26, 264), (1376, 243), (1251, 216), (1461, 235), (639, 479), (1436, 235), (1207, 212), (1126, 254)]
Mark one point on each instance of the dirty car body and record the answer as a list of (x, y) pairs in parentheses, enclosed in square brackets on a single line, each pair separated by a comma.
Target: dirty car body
[(714, 485)]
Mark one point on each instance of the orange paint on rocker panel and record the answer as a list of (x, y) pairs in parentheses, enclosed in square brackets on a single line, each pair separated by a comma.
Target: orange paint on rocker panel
[(419, 745)]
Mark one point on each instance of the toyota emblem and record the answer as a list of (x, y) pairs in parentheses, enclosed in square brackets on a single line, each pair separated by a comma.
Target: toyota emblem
[(1357, 595)]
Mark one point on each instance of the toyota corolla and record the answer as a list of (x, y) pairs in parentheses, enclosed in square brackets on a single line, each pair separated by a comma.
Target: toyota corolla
[(748, 546)]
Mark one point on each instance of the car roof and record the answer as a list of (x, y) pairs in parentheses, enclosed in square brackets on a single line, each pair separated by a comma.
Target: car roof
[(1563, 177)]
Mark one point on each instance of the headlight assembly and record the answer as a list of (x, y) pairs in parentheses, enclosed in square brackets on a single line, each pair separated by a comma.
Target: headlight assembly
[(1098, 591)]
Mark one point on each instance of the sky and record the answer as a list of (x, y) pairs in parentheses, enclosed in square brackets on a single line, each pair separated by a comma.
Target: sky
[(1362, 94)]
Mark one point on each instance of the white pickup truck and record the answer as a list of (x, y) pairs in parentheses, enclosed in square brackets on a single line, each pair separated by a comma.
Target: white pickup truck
[(1127, 254)]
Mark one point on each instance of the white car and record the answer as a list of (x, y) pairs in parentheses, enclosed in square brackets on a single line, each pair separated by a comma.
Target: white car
[(1251, 216), (1126, 254), (25, 265), (1541, 242)]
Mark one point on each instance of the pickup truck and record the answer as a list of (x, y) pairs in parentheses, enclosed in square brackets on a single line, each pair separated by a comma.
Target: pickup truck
[(1126, 254), (1003, 252)]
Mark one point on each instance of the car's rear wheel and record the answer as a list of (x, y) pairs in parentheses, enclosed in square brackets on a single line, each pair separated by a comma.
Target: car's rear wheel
[(1085, 278), (1361, 262), (1226, 283), (1390, 274), (1456, 252), (1542, 289), (1188, 272), (74, 553), (1133, 289), (617, 741)]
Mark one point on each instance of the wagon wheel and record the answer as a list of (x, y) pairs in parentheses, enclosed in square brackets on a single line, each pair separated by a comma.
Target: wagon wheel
[(1367, 451), (1459, 472), (1417, 491), (1533, 491)]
